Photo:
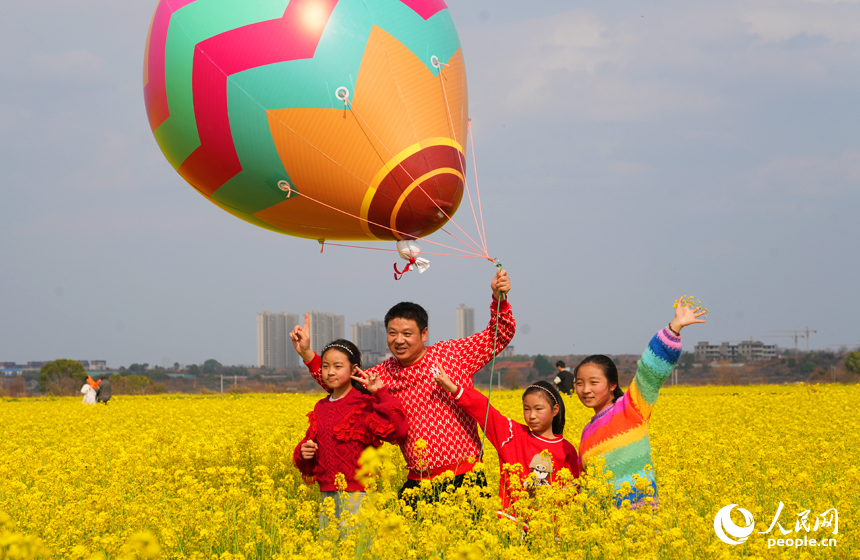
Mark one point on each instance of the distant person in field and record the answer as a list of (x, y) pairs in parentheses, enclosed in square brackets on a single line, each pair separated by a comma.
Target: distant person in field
[(359, 413), (103, 393), (442, 436), (618, 431), (89, 391), (563, 379)]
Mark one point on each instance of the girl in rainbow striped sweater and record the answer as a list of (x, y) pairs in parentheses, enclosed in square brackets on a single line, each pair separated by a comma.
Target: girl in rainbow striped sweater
[(618, 432)]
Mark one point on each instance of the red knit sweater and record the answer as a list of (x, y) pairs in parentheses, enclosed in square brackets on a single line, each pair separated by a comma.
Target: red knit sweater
[(517, 444), (343, 429), (450, 433)]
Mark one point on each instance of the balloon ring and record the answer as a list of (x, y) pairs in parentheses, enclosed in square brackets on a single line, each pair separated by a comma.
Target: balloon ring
[(286, 187)]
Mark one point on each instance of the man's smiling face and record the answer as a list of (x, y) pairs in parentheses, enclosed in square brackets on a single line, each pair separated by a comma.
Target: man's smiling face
[(406, 341)]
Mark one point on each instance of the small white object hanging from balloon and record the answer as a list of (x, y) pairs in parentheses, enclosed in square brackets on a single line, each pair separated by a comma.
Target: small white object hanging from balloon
[(410, 250)]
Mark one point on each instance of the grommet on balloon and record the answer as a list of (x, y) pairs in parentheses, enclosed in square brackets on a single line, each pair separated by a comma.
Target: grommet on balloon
[(410, 250), (434, 61), (286, 187), (343, 94)]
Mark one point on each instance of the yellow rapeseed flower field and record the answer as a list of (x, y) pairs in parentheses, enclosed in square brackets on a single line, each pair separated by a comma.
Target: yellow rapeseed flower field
[(212, 477)]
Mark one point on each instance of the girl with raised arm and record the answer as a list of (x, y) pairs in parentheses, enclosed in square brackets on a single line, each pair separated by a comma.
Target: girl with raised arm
[(538, 446), (618, 431)]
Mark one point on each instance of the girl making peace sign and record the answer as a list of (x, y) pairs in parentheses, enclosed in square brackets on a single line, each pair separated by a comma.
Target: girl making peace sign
[(358, 413)]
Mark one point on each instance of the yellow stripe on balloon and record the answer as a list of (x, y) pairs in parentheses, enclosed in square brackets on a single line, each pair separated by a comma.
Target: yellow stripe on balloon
[(392, 164)]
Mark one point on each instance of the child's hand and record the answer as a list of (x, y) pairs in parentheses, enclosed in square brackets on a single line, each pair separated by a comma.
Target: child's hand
[(301, 338), (442, 380), (370, 380), (309, 449), (686, 314)]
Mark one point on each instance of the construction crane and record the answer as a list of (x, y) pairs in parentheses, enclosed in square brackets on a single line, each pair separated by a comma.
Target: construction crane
[(808, 330), (794, 334)]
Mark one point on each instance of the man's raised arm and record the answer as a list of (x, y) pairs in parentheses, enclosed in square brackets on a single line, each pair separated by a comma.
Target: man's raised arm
[(477, 350)]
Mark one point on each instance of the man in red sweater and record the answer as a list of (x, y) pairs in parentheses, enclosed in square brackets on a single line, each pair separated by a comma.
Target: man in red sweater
[(449, 435)]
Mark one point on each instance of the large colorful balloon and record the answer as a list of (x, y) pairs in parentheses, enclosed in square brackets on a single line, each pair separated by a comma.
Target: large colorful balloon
[(324, 119)]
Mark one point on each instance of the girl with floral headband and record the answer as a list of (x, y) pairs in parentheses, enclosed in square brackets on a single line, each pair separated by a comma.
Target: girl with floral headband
[(358, 413), (538, 446)]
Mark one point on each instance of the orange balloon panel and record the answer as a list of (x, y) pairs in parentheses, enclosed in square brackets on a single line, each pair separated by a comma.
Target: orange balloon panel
[(394, 160)]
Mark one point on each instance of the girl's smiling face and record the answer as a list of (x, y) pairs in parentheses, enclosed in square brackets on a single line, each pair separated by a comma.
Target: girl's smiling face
[(592, 387), (538, 414), (337, 372)]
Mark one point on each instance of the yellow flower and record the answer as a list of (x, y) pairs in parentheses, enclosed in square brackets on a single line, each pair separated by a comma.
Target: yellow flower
[(340, 481), (141, 546), (222, 490)]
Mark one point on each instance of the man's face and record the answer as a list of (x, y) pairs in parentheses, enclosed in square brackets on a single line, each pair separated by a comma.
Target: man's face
[(405, 341)]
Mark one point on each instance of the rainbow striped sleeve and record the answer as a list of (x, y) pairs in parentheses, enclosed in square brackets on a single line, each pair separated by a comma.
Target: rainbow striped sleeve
[(653, 369)]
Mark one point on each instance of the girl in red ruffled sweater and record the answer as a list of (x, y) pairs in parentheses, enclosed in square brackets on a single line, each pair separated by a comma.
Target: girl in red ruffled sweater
[(358, 413)]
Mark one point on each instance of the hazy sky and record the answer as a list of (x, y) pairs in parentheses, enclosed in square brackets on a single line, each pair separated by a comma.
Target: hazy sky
[(628, 153)]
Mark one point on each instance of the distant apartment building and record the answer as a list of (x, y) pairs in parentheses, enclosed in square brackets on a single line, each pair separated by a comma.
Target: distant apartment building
[(93, 365), (13, 368), (370, 336), (370, 359), (324, 328), (748, 350), (465, 321), (508, 352), (274, 347)]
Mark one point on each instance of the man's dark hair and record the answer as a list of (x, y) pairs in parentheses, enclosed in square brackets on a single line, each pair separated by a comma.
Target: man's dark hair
[(102, 376), (409, 311), (559, 364)]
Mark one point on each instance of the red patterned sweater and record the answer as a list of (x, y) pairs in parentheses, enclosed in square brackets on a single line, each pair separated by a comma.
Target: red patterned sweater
[(343, 429), (450, 433)]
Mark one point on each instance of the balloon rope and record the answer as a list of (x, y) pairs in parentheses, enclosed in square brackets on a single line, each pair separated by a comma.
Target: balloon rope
[(481, 234), (492, 369), (477, 185), (418, 185), (396, 251), (288, 127), (391, 229)]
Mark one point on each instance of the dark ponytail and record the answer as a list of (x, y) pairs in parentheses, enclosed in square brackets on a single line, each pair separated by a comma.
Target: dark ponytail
[(352, 353), (552, 396), (607, 366)]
